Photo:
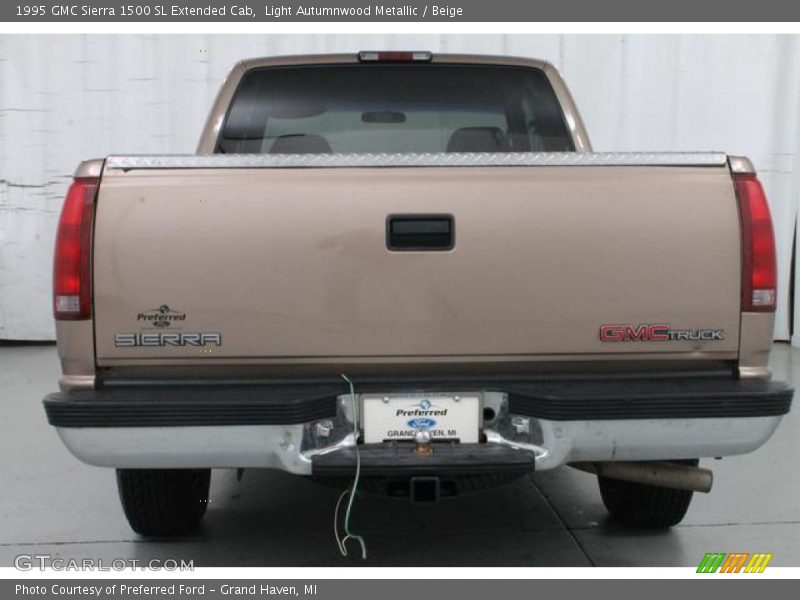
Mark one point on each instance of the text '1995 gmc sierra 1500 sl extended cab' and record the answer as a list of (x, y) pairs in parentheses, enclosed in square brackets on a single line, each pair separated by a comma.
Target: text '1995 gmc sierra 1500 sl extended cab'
[(413, 264)]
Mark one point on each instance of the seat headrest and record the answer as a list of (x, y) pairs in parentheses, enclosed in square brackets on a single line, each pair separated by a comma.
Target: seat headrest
[(478, 139), (300, 144)]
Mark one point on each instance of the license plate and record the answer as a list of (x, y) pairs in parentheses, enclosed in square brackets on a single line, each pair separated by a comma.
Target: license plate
[(400, 416)]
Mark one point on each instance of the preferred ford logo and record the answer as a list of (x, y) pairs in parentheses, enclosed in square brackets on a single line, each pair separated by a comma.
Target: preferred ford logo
[(423, 408), (421, 423), (163, 316)]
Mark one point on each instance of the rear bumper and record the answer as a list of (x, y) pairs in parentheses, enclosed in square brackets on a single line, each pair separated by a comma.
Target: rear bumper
[(305, 428), (447, 460)]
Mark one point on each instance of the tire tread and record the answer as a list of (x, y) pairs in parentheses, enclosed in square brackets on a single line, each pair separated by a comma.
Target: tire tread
[(640, 506), (163, 502)]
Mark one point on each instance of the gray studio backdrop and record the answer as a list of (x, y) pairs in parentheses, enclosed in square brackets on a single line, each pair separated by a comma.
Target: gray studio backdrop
[(65, 98)]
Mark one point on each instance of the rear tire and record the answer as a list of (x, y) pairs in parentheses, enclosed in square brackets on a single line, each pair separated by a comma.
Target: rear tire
[(641, 506), (164, 502)]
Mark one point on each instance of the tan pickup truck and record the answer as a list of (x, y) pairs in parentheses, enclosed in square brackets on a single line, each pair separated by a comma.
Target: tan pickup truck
[(413, 266)]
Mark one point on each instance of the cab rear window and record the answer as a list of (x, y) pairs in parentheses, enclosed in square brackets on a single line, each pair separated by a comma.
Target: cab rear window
[(397, 108)]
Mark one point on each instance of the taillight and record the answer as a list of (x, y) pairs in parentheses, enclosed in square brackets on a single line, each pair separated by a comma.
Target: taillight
[(72, 262), (395, 56), (759, 271)]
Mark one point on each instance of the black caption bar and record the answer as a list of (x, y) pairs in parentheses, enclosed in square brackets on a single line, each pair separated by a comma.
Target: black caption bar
[(343, 589), (401, 11)]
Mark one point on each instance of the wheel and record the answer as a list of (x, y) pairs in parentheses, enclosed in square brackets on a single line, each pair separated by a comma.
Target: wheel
[(641, 506), (163, 502)]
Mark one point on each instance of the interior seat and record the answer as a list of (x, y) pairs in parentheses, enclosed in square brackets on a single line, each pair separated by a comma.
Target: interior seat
[(478, 139), (300, 143)]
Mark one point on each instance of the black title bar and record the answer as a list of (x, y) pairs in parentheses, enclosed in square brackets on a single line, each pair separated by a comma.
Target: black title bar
[(400, 11)]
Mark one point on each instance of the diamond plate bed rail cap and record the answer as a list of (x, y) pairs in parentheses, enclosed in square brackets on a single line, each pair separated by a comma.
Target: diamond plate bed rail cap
[(439, 159)]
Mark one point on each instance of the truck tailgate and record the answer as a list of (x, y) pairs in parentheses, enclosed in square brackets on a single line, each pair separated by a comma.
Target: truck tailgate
[(292, 264)]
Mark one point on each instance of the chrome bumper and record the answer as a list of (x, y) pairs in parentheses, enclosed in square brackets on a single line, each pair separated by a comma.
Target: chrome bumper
[(292, 448)]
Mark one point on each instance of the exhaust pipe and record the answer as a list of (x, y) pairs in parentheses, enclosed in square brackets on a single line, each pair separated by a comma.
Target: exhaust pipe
[(657, 473)]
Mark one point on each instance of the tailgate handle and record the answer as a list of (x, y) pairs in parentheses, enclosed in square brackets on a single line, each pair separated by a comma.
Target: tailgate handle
[(420, 232)]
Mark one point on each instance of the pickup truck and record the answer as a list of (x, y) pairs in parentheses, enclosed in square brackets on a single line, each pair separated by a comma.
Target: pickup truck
[(413, 269)]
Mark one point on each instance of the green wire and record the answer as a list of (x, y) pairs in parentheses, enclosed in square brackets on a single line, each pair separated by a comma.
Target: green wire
[(354, 488)]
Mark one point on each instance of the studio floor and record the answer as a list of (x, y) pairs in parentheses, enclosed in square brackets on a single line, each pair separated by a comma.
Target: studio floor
[(52, 504)]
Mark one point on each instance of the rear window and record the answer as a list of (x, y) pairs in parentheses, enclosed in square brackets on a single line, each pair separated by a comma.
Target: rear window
[(394, 108)]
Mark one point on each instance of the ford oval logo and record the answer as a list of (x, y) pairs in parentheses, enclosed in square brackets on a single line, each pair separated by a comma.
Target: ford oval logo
[(421, 423)]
